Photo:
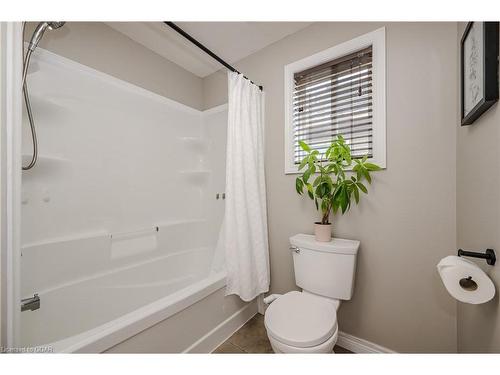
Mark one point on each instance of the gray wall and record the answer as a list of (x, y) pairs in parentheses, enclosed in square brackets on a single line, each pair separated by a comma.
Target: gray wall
[(478, 221), (407, 223), (99, 46)]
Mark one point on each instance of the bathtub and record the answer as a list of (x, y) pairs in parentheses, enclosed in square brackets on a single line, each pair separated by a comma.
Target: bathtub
[(97, 307)]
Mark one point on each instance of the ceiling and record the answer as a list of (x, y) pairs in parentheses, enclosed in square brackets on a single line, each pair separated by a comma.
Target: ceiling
[(232, 41)]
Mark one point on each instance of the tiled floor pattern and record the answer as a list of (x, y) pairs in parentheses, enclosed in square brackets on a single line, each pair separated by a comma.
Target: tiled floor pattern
[(252, 338)]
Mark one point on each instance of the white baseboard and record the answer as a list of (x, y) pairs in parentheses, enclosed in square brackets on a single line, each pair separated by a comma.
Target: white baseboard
[(360, 346), (223, 331)]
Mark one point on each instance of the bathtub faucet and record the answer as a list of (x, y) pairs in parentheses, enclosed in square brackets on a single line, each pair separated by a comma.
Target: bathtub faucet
[(31, 303)]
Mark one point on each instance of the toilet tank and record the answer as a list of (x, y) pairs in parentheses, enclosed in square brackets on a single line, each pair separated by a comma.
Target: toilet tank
[(325, 268)]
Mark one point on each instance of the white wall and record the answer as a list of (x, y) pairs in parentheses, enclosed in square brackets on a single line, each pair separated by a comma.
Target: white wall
[(407, 222)]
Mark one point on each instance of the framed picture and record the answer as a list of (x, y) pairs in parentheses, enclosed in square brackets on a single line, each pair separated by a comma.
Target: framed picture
[(479, 69)]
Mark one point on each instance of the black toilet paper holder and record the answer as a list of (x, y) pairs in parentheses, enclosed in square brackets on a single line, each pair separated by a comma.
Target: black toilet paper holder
[(489, 255)]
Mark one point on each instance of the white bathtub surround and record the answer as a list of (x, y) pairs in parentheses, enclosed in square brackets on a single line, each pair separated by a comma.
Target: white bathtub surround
[(111, 155), (93, 300), (243, 237), (120, 219)]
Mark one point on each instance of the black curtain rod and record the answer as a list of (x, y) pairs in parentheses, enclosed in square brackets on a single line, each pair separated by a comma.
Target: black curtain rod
[(204, 49)]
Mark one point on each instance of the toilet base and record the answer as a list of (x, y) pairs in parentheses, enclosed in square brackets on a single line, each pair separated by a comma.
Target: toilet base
[(326, 347)]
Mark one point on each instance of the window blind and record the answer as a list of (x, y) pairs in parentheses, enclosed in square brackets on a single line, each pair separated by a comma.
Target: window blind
[(335, 98)]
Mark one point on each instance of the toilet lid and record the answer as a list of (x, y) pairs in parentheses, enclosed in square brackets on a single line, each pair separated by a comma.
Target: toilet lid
[(301, 320)]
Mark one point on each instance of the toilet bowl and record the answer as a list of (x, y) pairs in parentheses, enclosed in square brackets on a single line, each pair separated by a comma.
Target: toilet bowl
[(306, 322), (300, 322)]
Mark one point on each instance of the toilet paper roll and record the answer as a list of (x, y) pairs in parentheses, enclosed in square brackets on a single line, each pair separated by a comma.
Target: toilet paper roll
[(465, 281)]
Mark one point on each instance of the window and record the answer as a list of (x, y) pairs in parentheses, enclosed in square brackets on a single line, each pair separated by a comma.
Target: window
[(338, 91)]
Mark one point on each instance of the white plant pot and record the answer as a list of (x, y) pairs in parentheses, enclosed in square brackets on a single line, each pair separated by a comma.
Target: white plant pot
[(323, 232)]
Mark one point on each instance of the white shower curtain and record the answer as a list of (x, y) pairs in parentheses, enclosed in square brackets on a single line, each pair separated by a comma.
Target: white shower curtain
[(243, 237)]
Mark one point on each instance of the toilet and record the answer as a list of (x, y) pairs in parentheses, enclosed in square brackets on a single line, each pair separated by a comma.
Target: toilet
[(306, 322)]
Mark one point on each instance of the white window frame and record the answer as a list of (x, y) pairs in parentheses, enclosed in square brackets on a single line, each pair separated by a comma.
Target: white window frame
[(376, 39)]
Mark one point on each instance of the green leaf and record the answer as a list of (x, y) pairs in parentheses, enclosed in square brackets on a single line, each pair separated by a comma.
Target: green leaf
[(299, 186), (347, 158), (303, 163), (344, 200), (335, 206), (326, 187), (316, 181), (356, 193), (327, 152), (319, 191), (372, 167), (313, 169), (337, 190), (304, 146), (329, 182), (306, 175), (367, 176), (362, 187), (323, 205), (310, 161)]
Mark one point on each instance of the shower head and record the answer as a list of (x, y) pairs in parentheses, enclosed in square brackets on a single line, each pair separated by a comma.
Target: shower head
[(35, 39), (56, 24), (40, 30)]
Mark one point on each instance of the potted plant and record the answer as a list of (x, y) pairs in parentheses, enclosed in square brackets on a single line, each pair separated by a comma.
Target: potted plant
[(332, 181)]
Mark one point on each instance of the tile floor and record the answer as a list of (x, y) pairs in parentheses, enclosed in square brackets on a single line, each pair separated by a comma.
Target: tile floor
[(252, 338)]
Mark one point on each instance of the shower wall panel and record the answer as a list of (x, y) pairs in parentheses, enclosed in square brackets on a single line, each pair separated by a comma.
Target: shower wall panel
[(113, 157)]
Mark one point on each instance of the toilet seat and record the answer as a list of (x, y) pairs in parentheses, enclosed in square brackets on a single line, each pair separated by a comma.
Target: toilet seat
[(301, 320)]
